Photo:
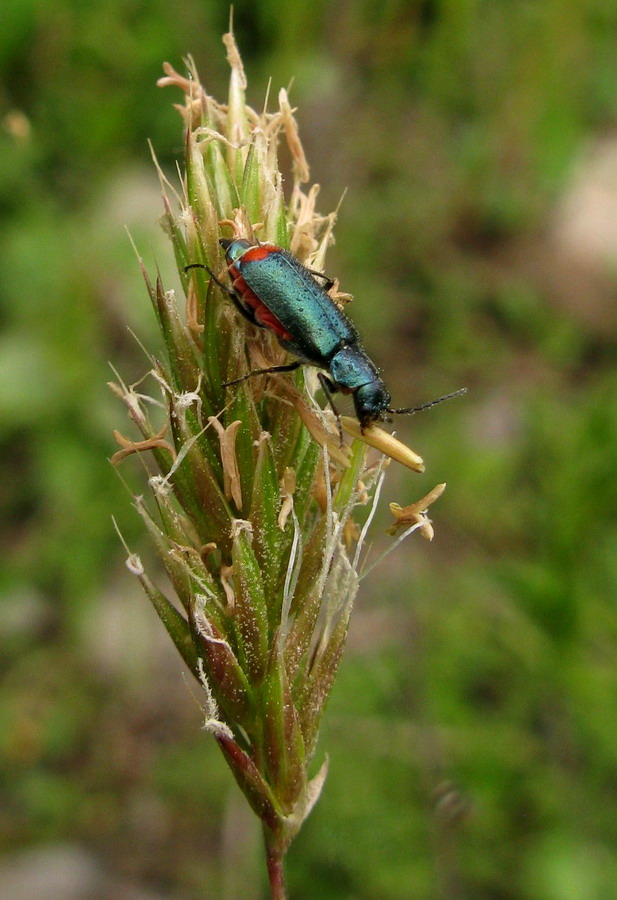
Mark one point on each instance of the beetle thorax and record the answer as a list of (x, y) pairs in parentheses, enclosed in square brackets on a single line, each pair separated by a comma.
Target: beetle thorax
[(352, 371)]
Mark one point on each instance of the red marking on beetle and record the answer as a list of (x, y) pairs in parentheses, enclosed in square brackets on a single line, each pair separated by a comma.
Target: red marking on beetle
[(267, 318), (254, 254), (263, 315)]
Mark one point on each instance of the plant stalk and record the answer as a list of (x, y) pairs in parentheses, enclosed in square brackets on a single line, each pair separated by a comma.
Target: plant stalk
[(274, 861)]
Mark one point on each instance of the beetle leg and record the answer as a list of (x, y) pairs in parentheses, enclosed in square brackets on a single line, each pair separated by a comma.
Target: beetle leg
[(242, 309), (329, 389), (231, 294), (287, 368), (328, 282), (216, 280)]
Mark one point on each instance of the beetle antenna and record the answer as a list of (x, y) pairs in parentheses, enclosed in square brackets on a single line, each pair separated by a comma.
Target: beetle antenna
[(414, 409)]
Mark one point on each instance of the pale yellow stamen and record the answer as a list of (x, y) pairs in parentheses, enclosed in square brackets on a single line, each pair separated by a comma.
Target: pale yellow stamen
[(385, 442), (415, 513)]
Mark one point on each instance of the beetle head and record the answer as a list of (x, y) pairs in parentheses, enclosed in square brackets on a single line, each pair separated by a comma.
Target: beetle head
[(371, 401)]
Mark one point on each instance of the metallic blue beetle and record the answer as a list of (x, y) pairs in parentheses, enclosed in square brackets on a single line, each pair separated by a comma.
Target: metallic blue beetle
[(273, 290)]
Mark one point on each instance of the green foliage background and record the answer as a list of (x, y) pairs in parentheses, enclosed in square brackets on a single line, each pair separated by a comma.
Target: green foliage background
[(473, 732)]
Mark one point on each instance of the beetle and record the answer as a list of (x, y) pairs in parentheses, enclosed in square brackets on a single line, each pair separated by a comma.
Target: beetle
[(272, 289)]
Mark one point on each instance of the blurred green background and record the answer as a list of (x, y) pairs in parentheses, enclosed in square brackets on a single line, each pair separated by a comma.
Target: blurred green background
[(473, 730)]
